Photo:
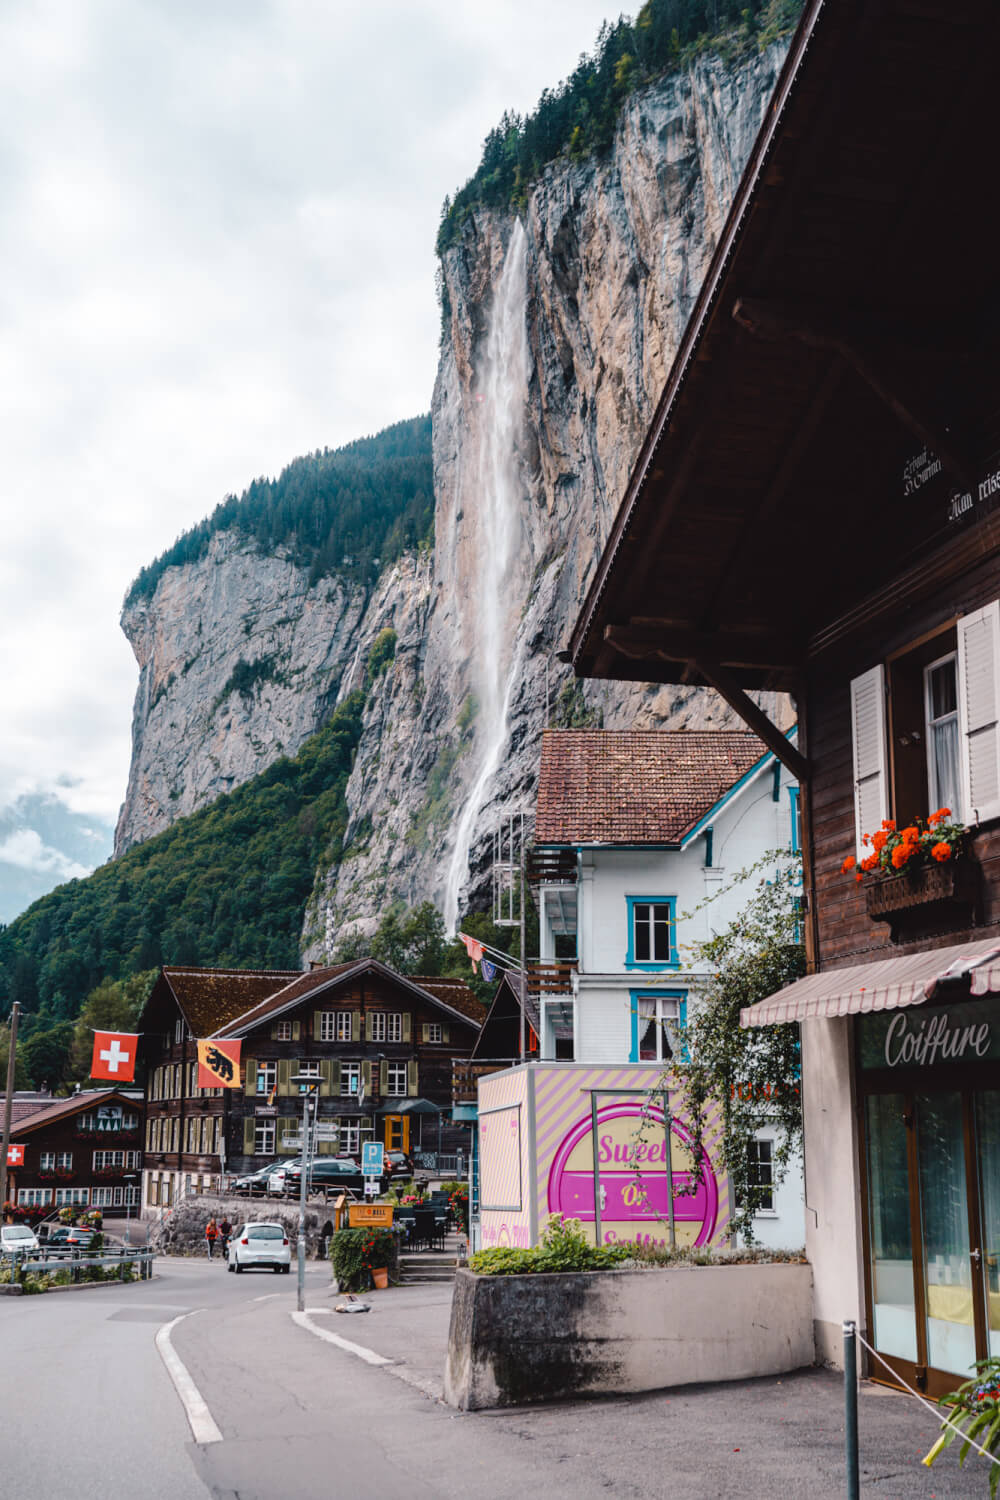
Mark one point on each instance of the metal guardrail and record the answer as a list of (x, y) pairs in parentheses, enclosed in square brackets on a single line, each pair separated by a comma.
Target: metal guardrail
[(18, 1264)]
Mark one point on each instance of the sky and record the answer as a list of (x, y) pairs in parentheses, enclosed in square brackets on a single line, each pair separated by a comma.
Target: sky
[(218, 222)]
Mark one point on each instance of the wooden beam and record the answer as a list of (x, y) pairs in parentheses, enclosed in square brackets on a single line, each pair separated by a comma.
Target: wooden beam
[(780, 320), (766, 652), (753, 717)]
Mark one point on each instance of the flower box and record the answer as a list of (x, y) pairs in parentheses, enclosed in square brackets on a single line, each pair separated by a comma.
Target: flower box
[(926, 894)]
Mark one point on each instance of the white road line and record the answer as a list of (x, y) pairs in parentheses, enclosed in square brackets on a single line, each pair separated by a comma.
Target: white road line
[(202, 1423), (368, 1355), (269, 1297)]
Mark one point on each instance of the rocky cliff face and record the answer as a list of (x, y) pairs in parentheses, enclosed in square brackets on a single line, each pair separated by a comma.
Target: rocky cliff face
[(612, 256), (560, 332)]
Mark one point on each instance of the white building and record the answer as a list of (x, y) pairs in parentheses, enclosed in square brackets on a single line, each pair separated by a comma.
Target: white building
[(639, 837)]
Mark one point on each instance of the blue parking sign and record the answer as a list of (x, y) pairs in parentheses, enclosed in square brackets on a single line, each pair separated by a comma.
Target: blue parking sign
[(372, 1158)]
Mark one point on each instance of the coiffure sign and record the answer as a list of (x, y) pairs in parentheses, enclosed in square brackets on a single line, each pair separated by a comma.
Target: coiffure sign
[(929, 1036)]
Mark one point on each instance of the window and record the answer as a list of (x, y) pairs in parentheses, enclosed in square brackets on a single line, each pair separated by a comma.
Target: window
[(65, 1196), (650, 932), (334, 1026), (178, 1030), (796, 814), (47, 1161), (350, 1078), (282, 1031), (396, 1079), (926, 728), (344, 1025), (309, 1069), (386, 1027), (434, 1032), (762, 1174), (352, 1128), (34, 1197), (263, 1138), (104, 1161), (267, 1077), (653, 1016)]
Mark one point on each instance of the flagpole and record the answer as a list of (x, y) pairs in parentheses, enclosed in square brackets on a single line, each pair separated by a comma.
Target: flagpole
[(8, 1104)]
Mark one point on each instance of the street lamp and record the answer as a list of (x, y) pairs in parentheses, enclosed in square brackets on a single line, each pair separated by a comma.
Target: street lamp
[(127, 1178), (308, 1084)]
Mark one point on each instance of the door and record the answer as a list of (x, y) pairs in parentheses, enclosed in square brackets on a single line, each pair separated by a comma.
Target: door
[(933, 1232)]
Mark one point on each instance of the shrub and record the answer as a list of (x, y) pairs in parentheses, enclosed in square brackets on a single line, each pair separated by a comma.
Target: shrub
[(355, 1253), (563, 1247)]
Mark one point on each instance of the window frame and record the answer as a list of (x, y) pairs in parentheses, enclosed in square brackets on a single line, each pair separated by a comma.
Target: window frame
[(935, 797), (678, 997), (652, 965), (267, 1076), (397, 1069), (349, 1070)]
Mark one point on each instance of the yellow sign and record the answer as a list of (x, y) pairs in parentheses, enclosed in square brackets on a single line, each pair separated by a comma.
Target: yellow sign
[(375, 1214)]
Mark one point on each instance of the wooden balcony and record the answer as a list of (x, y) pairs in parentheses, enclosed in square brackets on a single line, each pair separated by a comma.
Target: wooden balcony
[(465, 1075), (551, 866), (545, 980)]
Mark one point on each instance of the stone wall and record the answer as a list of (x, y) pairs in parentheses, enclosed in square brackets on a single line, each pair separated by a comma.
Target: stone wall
[(181, 1231), (518, 1339)]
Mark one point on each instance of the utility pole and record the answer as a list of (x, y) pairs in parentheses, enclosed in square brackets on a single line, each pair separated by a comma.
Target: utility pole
[(523, 931), (8, 1102)]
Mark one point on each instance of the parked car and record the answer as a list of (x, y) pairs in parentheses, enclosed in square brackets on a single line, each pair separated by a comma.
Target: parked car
[(17, 1239), (256, 1182), (260, 1244), (327, 1173), (54, 1240), (398, 1164)]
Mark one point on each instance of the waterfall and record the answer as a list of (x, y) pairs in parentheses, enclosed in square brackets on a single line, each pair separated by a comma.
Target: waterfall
[(492, 614)]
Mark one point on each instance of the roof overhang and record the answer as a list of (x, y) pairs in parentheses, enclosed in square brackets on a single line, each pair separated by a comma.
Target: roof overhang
[(842, 324), (888, 984)]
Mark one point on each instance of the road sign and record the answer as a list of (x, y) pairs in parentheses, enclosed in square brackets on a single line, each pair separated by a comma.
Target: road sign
[(372, 1158), (327, 1130), (371, 1187)]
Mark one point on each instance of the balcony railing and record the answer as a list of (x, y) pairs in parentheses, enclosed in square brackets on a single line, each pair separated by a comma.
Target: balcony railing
[(465, 1075), (544, 980), (551, 866)]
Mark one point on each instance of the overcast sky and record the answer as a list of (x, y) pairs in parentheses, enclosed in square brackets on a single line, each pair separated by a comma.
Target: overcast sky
[(218, 220)]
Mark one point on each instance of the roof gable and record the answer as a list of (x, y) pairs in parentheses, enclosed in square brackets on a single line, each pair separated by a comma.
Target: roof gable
[(637, 786), (449, 995), (62, 1109)]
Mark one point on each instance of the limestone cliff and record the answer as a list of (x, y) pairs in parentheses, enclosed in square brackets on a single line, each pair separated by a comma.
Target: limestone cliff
[(560, 329)]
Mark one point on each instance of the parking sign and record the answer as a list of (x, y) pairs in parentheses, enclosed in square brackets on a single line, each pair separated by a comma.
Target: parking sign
[(372, 1158)]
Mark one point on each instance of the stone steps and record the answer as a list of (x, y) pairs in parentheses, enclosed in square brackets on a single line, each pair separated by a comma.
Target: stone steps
[(430, 1265)]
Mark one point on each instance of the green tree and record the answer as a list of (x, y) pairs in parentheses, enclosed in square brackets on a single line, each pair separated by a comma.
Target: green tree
[(46, 1056), (21, 1079), (752, 1074), (113, 1006)]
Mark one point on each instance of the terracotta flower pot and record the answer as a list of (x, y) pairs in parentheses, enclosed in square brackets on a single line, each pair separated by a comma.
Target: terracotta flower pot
[(381, 1278)]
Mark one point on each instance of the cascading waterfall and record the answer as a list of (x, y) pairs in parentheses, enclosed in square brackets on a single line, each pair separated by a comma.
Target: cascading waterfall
[(501, 392)]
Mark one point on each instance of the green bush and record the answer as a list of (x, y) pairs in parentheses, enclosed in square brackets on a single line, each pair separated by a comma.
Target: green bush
[(563, 1247), (355, 1253)]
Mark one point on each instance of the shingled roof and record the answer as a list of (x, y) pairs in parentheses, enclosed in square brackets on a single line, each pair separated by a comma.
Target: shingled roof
[(635, 786), (75, 1104), (210, 999)]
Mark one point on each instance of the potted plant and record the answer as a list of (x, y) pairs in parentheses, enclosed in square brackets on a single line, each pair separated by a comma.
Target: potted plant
[(922, 868)]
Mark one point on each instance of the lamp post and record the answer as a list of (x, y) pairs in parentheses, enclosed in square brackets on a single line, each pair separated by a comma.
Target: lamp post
[(128, 1178), (308, 1084)]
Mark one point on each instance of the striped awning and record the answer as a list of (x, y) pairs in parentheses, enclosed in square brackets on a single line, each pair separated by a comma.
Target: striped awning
[(887, 984)]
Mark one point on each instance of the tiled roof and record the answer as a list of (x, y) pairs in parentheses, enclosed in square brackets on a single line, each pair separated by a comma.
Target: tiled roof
[(76, 1103), (297, 987), (210, 999), (635, 786), (453, 992)]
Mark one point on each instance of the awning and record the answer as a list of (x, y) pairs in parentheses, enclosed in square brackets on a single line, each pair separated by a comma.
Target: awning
[(410, 1107), (887, 984)]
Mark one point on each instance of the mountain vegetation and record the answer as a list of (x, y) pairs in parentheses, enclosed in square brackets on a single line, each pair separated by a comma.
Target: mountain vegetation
[(579, 116), (346, 510), (224, 887)]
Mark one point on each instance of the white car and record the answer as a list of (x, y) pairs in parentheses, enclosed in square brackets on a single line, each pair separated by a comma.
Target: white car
[(260, 1245), (17, 1239)]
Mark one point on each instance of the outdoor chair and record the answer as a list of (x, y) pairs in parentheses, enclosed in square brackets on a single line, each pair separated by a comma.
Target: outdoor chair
[(428, 1229)]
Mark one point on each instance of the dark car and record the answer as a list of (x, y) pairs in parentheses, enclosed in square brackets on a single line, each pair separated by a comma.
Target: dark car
[(328, 1174), (252, 1183), (398, 1164)]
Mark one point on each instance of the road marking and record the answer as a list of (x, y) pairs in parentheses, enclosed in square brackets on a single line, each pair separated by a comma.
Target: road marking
[(200, 1418), (368, 1355), (269, 1297)]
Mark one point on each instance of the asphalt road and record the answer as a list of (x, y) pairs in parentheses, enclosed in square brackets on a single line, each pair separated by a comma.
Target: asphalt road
[(89, 1411)]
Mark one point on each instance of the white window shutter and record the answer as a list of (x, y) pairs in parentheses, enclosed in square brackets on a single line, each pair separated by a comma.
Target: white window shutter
[(979, 711), (871, 792)]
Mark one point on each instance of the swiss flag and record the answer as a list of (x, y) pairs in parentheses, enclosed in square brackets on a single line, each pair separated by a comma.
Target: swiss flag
[(114, 1056), (15, 1156)]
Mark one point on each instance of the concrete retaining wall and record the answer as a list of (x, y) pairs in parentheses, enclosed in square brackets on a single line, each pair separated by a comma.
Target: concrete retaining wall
[(516, 1339)]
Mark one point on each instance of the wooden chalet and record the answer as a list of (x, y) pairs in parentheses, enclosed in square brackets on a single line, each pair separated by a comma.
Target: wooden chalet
[(379, 1043), (84, 1151), (816, 508)]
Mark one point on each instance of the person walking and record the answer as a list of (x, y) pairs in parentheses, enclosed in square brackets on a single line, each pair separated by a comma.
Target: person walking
[(211, 1235), (225, 1230)]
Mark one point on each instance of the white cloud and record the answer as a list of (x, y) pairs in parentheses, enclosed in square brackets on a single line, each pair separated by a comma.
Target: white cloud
[(26, 851), (218, 226)]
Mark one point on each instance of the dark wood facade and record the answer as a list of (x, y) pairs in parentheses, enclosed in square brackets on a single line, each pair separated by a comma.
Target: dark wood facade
[(80, 1152), (371, 1038), (816, 509)]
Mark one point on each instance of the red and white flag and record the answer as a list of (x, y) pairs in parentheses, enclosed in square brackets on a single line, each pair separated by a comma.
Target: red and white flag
[(114, 1056), (473, 948), (15, 1156)]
